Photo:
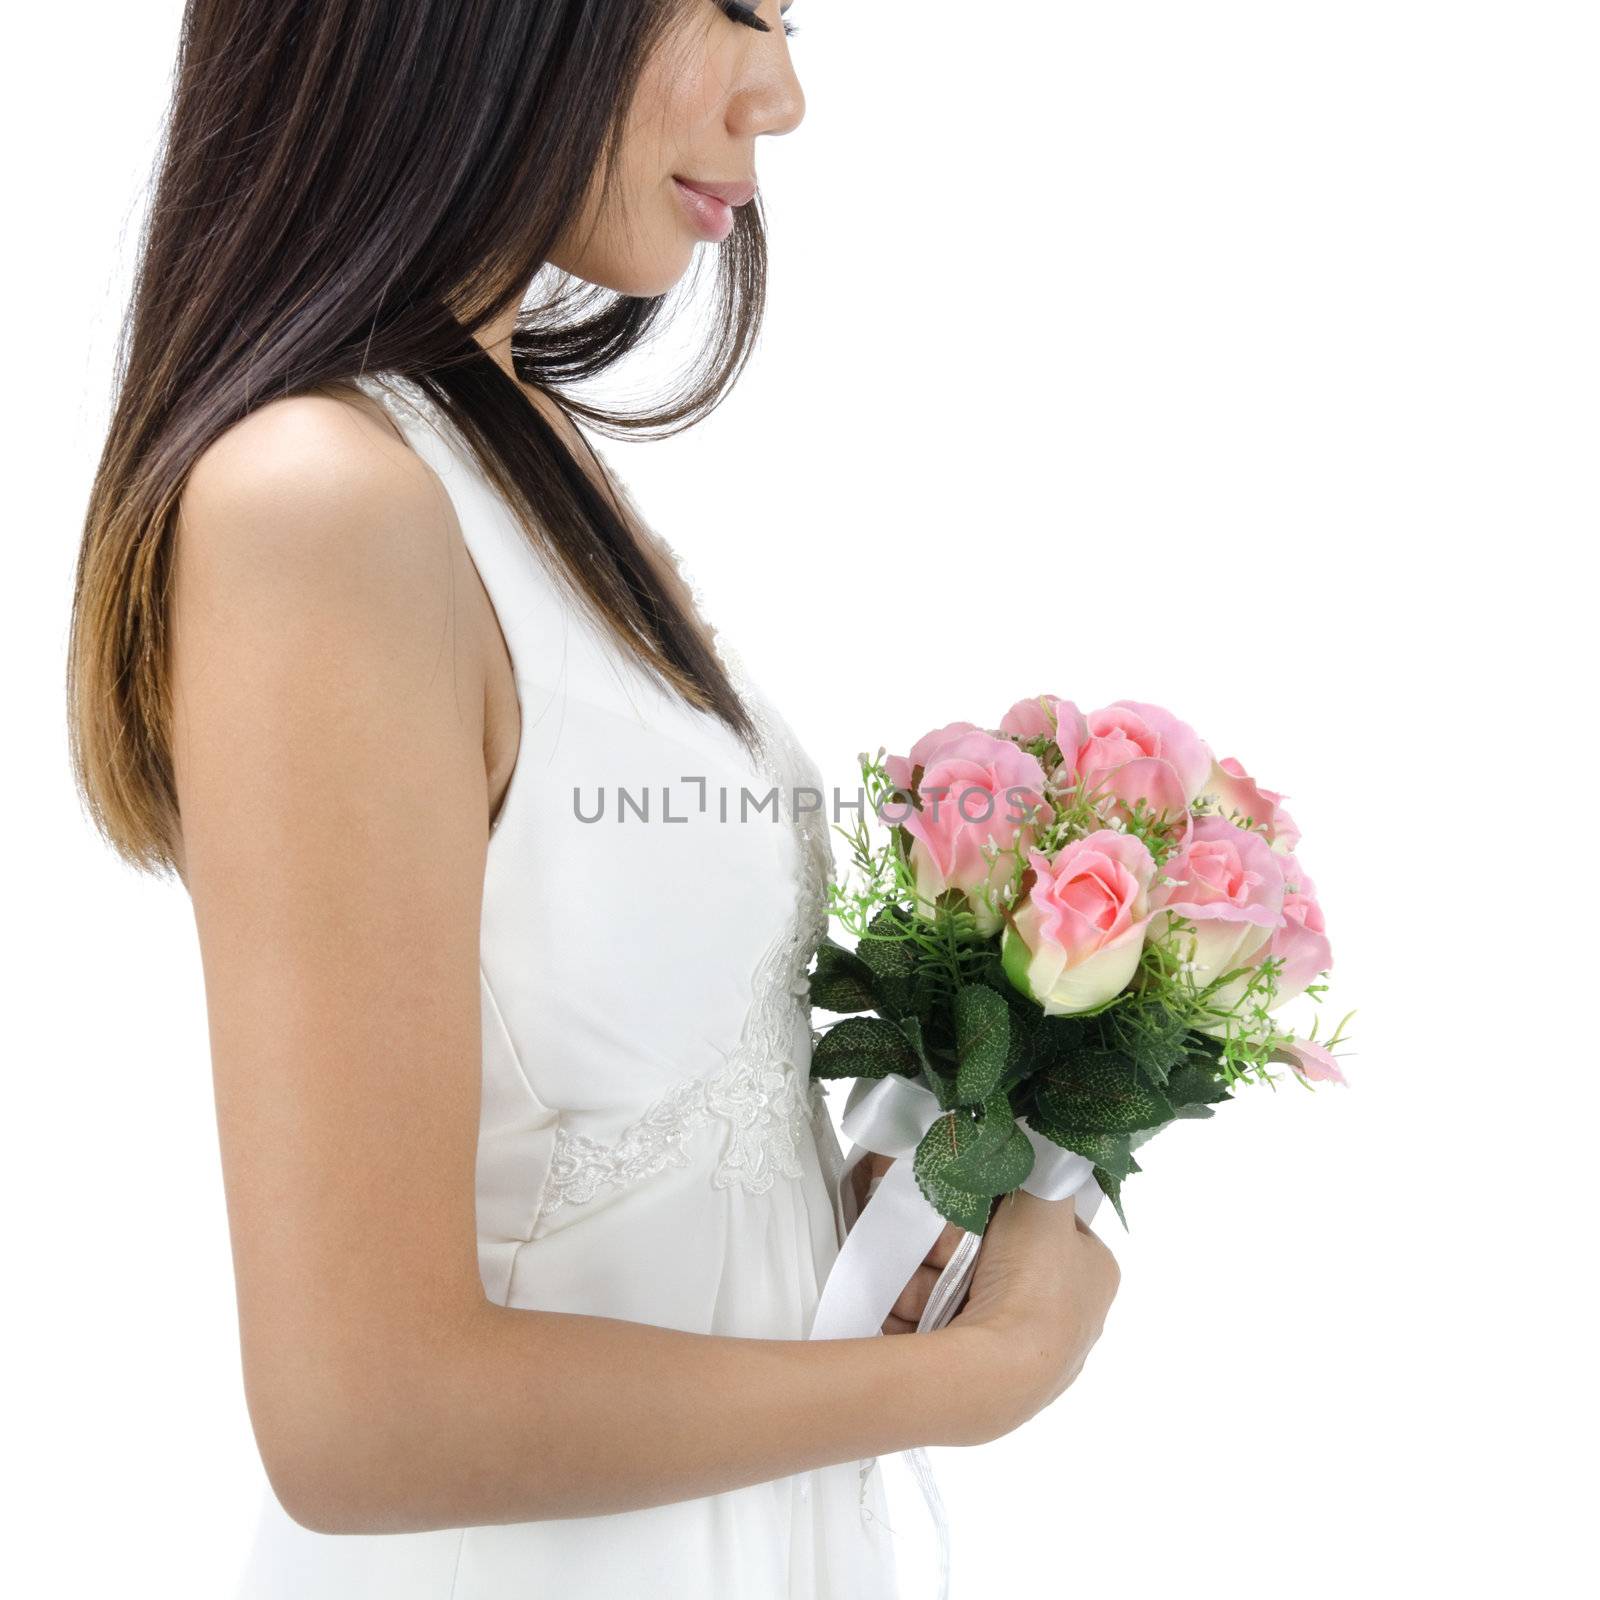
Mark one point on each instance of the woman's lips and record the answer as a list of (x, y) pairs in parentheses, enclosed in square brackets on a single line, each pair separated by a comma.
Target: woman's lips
[(710, 207)]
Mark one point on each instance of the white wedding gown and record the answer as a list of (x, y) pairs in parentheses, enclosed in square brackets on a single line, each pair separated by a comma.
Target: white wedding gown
[(649, 1145)]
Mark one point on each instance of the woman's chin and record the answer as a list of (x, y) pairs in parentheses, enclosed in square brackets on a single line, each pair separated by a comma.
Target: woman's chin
[(642, 279)]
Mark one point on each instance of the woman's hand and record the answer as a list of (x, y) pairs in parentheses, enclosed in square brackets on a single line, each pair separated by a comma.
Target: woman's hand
[(1040, 1293), (908, 1309)]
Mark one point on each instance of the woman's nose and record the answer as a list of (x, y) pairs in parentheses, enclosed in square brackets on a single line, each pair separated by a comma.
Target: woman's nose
[(774, 103)]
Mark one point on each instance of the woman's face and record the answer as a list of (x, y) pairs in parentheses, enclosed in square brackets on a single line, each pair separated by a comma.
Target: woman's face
[(721, 77)]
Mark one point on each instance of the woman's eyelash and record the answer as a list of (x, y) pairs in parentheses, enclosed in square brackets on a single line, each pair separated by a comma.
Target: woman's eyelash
[(738, 12)]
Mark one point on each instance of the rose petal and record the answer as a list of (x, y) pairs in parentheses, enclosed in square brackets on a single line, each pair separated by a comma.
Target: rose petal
[(1311, 1060)]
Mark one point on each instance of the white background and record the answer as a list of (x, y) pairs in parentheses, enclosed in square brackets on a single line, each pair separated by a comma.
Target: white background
[(1237, 356)]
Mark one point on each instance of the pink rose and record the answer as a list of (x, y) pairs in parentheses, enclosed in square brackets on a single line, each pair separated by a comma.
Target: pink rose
[(1301, 939), (976, 795), (1048, 716), (1136, 751), (1241, 799), (1299, 942), (1075, 939), (903, 770), (1231, 887)]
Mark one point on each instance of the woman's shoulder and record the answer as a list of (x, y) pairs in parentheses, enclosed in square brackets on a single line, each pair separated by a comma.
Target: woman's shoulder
[(319, 575), (314, 506), (309, 538), (314, 468)]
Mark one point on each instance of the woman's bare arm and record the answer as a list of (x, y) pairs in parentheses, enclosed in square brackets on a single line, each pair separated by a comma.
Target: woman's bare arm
[(329, 685)]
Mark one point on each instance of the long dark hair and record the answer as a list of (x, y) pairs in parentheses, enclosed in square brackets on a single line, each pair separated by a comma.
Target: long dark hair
[(356, 186)]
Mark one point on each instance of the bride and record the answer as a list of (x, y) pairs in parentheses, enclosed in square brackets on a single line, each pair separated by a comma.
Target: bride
[(530, 1201)]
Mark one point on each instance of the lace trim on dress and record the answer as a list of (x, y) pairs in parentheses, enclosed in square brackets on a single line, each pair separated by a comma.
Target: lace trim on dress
[(762, 1098)]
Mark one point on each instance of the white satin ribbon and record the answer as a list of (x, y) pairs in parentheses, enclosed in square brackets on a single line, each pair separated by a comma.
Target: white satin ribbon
[(897, 1228)]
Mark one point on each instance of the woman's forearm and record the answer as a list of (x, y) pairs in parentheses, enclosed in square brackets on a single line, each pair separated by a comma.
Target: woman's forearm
[(525, 1415)]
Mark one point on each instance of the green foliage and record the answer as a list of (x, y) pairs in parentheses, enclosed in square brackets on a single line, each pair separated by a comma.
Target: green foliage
[(1020, 1036), (1099, 1091), (864, 1047), (841, 980), (889, 949), (1058, 1040), (957, 1205), (911, 1027), (966, 1158), (1199, 1081), (983, 1033), (1112, 1188), (944, 1089), (991, 1154), (1152, 1033)]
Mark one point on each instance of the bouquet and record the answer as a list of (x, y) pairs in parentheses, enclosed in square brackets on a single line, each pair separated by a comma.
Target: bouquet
[(1076, 931)]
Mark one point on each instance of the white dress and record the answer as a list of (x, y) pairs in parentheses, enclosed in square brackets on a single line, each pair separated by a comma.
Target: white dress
[(649, 1146)]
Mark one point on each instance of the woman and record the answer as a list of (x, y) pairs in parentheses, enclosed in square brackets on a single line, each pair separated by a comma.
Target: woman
[(529, 1201)]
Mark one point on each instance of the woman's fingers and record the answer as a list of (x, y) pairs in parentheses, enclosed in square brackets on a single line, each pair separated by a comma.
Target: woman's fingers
[(914, 1297)]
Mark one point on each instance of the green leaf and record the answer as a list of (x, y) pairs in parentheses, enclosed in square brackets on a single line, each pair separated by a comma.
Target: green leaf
[(863, 1047), (989, 970), (911, 1027), (983, 1032), (1100, 1092), (985, 1154), (841, 980), (966, 1210), (1000, 1171), (1113, 1192), (891, 956), (955, 1134), (1002, 1157), (886, 947), (1145, 1135), (1057, 1041), (1198, 1083)]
